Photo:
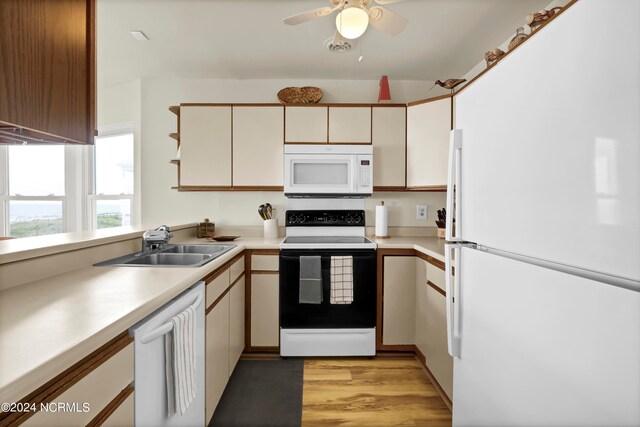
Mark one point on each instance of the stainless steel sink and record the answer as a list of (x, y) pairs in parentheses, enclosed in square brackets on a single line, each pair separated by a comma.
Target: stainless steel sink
[(171, 256), (212, 249)]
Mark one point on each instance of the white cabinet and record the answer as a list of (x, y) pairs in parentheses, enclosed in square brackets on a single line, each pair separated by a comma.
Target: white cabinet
[(350, 125), (388, 139), (216, 355), (307, 124), (398, 300), (265, 324), (205, 145), (428, 129), (422, 311), (224, 331), (431, 323), (258, 136), (236, 323)]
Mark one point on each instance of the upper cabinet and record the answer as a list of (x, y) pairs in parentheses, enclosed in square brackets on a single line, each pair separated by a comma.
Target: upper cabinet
[(205, 146), (47, 71), (306, 125), (388, 139), (257, 146), (335, 124), (350, 125), (428, 129)]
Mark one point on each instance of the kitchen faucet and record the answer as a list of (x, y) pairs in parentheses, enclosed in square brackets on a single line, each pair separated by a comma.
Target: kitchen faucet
[(156, 239)]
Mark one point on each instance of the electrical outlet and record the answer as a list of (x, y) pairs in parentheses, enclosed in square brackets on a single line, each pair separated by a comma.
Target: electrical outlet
[(421, 212)]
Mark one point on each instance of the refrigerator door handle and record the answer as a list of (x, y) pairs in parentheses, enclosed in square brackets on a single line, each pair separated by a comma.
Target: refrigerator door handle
[(452, 288), (453, 182)]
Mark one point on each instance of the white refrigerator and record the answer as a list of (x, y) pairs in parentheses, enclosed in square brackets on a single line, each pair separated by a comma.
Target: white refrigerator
[(543, 300)]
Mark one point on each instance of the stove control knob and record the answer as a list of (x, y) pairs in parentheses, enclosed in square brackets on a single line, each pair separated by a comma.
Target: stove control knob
[(300, 219), (332, 218), (349, 218)]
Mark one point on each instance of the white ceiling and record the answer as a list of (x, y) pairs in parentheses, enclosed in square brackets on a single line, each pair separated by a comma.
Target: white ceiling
[(246, 39)]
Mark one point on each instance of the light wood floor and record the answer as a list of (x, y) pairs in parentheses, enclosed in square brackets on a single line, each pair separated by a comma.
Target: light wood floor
[(385, 391)]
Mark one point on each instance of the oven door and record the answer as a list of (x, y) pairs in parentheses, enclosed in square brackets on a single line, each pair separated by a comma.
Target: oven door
[(361, 313)]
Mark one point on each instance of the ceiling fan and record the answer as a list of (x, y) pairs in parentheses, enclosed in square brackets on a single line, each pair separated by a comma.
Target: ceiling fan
[(355, 16)]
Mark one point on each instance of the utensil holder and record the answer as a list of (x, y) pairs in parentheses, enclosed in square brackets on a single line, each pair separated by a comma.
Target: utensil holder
[(271, 228)]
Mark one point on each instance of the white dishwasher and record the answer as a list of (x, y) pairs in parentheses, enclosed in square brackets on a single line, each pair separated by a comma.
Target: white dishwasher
[(150, 398)]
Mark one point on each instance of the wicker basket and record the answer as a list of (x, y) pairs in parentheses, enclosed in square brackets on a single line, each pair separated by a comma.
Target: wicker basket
[(300, 95)]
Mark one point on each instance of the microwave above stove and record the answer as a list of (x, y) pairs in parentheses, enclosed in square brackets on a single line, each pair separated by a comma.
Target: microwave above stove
[(328, 170)]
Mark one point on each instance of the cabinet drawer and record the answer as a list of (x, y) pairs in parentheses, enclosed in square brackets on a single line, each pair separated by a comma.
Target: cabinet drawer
[(265, 262), (217, 287), (435, 275), (236, 270), (97, 389)]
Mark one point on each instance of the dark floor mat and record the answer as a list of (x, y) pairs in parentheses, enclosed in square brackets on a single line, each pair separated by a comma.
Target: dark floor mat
[(262, 393)]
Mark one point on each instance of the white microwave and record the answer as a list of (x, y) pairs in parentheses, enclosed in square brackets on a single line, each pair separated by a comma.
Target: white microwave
[(328, 170)]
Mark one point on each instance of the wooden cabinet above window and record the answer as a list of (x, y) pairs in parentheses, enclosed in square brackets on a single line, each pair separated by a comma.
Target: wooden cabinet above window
[(47, 71)]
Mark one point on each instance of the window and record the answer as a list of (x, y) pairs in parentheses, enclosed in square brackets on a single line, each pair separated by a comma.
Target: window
[(48, 189), (111, 202), (36, 190)]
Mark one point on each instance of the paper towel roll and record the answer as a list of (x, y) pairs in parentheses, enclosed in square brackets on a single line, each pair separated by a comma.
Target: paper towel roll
[(382, 221)]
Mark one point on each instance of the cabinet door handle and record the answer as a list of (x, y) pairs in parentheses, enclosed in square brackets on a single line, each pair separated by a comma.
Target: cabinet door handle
[(454, 176), (453, 301)]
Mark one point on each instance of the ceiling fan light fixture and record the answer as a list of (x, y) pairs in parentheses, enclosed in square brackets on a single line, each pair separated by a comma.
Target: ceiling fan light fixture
[(352, 22)]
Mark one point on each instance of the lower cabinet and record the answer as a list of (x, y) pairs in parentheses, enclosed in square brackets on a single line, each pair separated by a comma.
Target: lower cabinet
[(431, 322), (224, 329), (398, 302), (236, 323), (217, 354), (413, 311), (265, 300), (114, 377)]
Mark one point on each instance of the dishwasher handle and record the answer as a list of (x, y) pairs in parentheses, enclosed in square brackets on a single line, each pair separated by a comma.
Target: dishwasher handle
[(168, 326)]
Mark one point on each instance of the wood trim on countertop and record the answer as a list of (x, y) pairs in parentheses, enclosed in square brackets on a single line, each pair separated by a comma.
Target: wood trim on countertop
[(111, 407), (483, 72), (423, 362), (69, 377)]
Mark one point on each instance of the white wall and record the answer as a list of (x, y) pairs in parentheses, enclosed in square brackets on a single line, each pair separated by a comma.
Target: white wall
[(120, 104), (162, 205), (480, 66)]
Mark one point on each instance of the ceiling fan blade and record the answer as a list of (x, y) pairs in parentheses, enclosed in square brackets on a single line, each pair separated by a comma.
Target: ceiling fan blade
[(308, 15), (387, 21), (387, 1)]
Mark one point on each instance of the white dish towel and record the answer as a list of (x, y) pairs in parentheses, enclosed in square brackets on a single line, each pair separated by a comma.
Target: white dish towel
[(341, 280), (180, 357)]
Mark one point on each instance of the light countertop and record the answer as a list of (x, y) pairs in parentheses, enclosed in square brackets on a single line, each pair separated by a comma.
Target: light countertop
[(48, 325)]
